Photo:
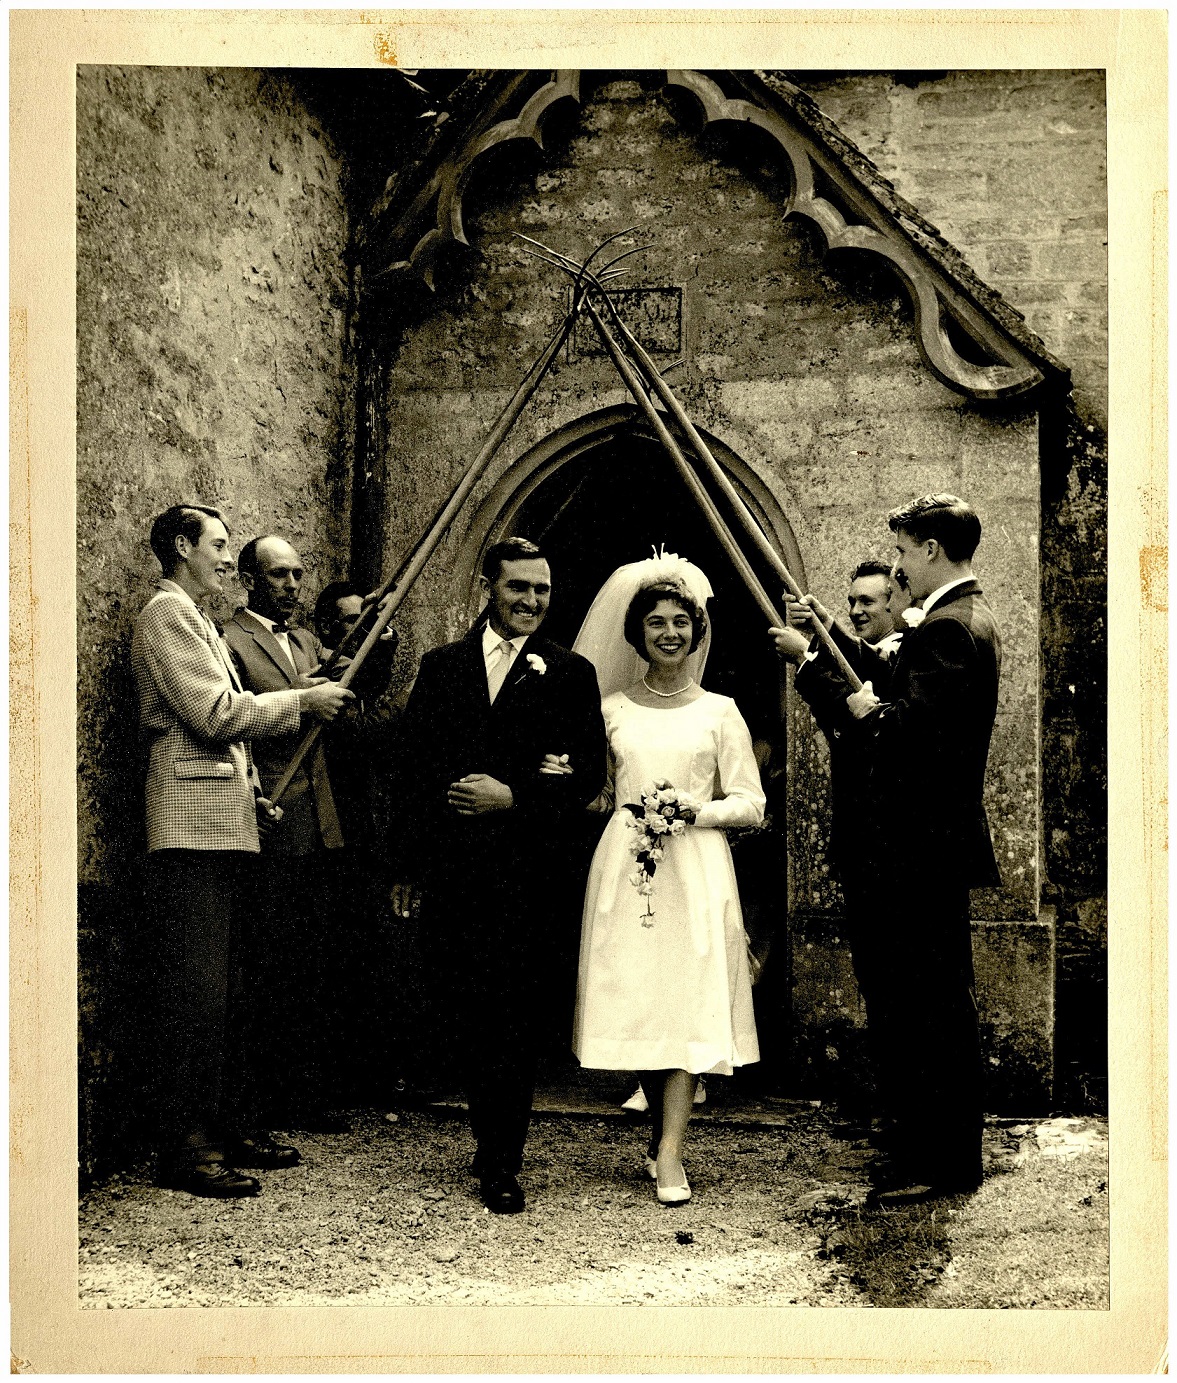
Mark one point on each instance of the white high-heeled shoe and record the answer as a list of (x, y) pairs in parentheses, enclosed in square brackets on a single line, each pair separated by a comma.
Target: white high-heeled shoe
[(678, 1194)]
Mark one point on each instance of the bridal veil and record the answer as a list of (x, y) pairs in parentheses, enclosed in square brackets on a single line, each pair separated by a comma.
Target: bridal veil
[(602, 635)]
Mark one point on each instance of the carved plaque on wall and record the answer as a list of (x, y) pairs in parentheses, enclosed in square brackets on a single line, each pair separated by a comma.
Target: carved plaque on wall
[(654, 315)]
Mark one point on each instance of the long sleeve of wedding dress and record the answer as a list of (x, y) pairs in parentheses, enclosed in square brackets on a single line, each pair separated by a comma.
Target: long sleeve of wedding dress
[(739, 799)]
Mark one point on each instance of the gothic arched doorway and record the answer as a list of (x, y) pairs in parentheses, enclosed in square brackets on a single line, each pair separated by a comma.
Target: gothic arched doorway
[(601, 492)]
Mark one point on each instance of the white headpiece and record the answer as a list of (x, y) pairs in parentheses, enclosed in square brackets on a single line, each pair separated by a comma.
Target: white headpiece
[(602, 635)]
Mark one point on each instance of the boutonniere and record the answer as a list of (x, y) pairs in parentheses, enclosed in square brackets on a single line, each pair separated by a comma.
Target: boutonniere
[(538, 666), (913, 617)]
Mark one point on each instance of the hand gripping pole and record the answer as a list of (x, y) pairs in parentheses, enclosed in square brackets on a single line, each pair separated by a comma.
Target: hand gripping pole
[(743, 513), (392, 594)]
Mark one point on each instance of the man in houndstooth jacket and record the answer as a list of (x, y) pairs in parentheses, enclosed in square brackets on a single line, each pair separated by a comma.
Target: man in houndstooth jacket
[(202, 832)]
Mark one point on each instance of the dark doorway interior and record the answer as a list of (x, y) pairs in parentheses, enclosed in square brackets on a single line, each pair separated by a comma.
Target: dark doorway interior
[(610, 506), (614, 505)]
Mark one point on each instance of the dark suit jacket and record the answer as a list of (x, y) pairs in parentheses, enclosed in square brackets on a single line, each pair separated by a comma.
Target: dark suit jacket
[(855, 813), (926, 747), (450, 729), (309, 816)]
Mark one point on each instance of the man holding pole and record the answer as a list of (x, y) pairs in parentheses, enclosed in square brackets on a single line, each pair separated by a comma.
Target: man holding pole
[(478, 829), (923, 725), (874, 601), (202, 832), (295, 965)]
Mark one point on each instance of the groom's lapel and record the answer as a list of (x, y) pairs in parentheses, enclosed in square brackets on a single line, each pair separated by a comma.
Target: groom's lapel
[(472, 668), (520, 670)]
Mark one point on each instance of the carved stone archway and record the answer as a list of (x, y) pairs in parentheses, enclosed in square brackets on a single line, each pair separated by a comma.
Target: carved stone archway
[(494, 518)]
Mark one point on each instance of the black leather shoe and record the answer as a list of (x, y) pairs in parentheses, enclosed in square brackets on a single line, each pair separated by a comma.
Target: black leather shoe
[(209, 1179), (918, 1193), (502, 1195), (260, 1150), (319, 1121)]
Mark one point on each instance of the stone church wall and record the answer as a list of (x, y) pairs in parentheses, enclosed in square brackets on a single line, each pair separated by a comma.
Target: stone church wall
[(1012, 166), (812, 377), (211, 306)]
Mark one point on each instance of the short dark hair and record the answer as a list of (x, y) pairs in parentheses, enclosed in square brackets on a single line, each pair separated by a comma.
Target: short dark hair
[(247, 557), (950, 521), (331, 592), (647, 598), (871, 567), (180, 521), (510, 550)]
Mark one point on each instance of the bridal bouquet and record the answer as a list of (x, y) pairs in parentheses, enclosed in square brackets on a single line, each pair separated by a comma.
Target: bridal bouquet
[(663, 813)]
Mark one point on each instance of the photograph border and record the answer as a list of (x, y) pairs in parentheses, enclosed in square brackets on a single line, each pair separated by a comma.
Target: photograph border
[(49, 1331)]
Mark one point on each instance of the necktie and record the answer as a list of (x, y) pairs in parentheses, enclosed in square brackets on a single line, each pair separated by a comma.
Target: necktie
[(496, 674)]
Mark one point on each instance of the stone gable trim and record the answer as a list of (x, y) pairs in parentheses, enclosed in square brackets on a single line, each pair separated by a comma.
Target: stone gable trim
[(868, 215), (919, 231)]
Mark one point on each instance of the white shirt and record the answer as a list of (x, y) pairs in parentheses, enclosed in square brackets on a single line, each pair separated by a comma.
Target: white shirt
[(283, 639), (930, 600), (888, 645), (490, 650)]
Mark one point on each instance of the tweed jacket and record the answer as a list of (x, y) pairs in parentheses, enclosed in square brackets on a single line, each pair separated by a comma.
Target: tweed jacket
[(195, 719), (310, 820)]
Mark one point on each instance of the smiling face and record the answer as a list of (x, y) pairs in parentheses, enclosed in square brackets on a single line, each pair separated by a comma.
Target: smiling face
[(274, 591), (916, 568), (870, 612), (205, 563), (518, 597), (667, 631)]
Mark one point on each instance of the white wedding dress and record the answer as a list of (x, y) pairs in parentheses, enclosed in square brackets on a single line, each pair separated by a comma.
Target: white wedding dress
[(677, 994)]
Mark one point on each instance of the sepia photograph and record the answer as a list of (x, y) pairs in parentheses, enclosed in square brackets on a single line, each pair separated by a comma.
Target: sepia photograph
[(592, 691)]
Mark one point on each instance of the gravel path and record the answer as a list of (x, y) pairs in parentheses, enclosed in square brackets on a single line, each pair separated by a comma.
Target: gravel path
[(388, 1215)]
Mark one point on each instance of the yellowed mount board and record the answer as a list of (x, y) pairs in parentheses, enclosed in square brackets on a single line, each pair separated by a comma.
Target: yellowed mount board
[(50, 1333)]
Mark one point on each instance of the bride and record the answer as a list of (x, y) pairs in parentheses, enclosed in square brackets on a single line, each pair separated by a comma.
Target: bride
[(664, 987)]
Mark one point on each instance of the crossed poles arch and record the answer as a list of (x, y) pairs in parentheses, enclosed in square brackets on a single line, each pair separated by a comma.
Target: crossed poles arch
[(648, 390)]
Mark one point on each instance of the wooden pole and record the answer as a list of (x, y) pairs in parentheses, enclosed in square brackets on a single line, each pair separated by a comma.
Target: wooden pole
[(670, 400), (392, 594), (634, 384), (743, 513)]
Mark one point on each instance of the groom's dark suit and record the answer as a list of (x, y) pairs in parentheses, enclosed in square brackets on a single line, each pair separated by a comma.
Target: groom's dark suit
[(925, 750), (490, 879)]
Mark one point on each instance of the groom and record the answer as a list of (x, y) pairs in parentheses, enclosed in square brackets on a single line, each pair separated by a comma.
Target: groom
[(478, 833)]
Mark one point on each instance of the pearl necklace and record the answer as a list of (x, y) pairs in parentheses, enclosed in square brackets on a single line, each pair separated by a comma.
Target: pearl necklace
[(688, 683)]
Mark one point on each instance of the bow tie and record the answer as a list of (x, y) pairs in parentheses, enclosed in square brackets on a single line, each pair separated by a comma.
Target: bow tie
[(281, 627)]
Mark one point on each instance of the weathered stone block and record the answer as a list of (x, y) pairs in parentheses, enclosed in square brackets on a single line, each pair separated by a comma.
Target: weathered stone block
[(212, 362), (1014, 965)]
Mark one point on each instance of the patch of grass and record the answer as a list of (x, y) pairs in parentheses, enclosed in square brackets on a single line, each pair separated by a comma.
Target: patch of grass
[(892, 1256)]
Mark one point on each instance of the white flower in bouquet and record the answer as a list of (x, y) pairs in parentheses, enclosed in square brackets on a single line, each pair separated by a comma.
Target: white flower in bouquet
[(662, 813)]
